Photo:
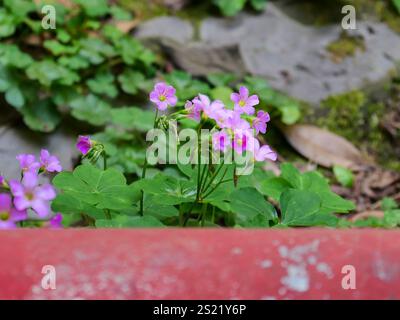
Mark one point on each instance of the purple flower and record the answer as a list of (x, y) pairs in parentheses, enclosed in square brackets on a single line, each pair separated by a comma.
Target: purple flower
[(235, 122), (49, 163), (194, 110), (260, 122), (84, 144), (55, 222), (2, 181), (8, 215), (163, 96), (222, 117), (28, 162), (244, 103), (28, 194), (221, 141), (243, 140), (264, 153), (209, 108)]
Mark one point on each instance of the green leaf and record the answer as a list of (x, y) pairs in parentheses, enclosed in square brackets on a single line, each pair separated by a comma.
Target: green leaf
[(131, 51), (103, 83), (258, 5), (74, 63), (168, 190), (91, 109), (43, 116), (11, 55), (102, 189), (159, 211), (7, 24), (396, 3), (344, 176), (47, 71), (221, 79), (247, 203), (131, 81), (20, 8), (57, 48), (229, 7), (290, 113), (129, 222), (223, 94), (274, 187), (119, 13), (389, 204), (94, 8), (299, 207), (95, 50), (69, 205), (15, 97), (133, 118)]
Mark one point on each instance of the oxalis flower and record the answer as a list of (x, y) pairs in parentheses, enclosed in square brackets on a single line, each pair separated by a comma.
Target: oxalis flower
[(28, 194), (260, 122), (163, 96), (264, 152), (244, 103), (243, 140), (8, 215), (55, 222), (84, 144), (221, 141), (194, 110), (28, 162), (49, 162), (209, 108)]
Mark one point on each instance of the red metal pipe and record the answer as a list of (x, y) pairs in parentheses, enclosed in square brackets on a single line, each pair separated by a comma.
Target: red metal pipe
[(200, 264)]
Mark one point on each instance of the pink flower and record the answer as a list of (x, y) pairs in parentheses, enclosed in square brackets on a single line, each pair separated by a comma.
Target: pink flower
[(209, 108), (235, 122), (28, 194), (244, 103), (260, 122), (243, 140), (264, 153), (28, 162), (84, 144), (2, 181), (194, 110), (163, 96), (222, 117), (8, 215), (49, 163), (55, 222), (221, 141)]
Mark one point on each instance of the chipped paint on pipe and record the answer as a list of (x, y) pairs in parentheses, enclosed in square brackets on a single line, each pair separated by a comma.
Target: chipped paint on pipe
[(200, 264)]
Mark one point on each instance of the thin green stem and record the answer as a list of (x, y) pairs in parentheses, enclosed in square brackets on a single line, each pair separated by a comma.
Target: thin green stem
[(203, 213), (144, 172), (104, 155), (218, 184), (213, 177)]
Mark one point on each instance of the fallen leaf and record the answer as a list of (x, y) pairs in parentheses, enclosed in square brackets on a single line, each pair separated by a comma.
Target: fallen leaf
[(126, 26), (367, 214), (323, 147)]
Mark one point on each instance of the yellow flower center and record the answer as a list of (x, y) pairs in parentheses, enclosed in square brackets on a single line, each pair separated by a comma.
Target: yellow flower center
[(162, 98), (4, 215), (242, 103), (29, 196)]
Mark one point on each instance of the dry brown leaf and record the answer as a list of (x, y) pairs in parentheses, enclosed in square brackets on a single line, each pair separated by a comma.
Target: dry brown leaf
[(323, 147), (367, 214), (126, 26)]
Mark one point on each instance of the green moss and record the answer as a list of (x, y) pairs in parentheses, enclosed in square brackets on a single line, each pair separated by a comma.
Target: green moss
[(345, 46), (353, 116)]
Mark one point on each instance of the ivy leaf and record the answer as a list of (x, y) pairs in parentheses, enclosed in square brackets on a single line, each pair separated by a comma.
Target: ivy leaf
[(57, 48), (133, 118), (247, 203), (91, 109), (129, 222), (102, 189), (43, 116), (103, 83), (94, 8)]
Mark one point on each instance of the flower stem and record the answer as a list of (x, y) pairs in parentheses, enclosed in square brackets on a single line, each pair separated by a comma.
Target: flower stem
[(144, 171), (104, 160)]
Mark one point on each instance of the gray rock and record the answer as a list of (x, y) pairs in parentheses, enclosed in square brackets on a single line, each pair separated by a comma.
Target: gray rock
[(15, 140), (172, 28), (290, 55)]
